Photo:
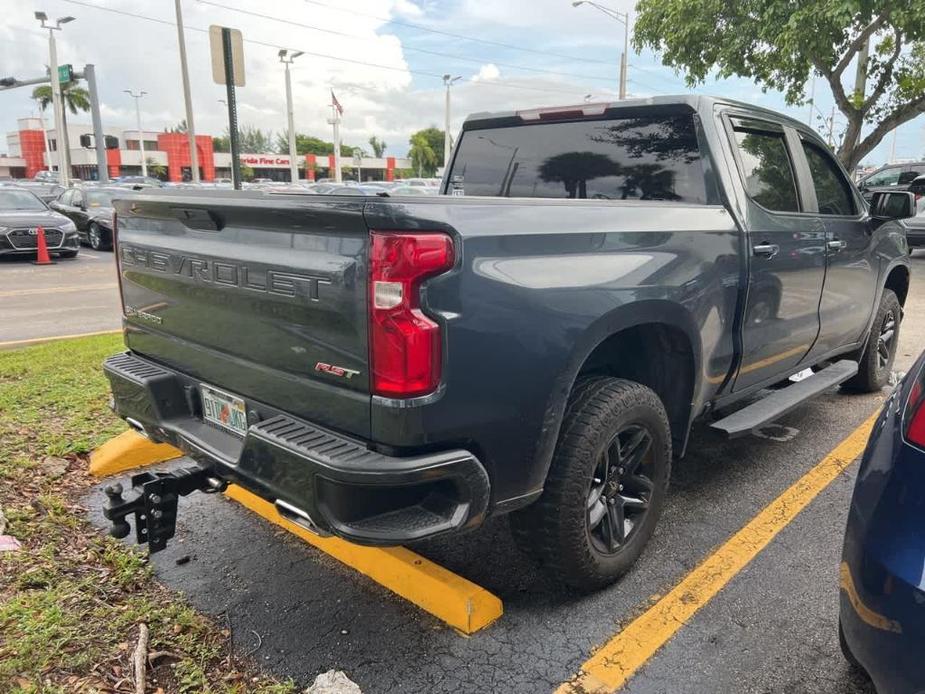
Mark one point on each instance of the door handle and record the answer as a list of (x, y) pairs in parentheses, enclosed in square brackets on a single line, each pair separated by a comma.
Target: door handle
[(836, 245), (766, 250)]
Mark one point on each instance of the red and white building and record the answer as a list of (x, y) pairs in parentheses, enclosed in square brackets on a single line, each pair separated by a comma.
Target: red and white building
[(28, 152)]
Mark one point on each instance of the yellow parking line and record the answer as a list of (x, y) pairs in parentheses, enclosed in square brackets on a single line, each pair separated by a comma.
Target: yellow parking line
[(457, 601), (619, 659), (57, 290), (51, 338)]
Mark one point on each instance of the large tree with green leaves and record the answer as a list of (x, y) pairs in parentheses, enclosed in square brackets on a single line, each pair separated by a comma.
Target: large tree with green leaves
[(423, 155), (427, 146), (780, 43)]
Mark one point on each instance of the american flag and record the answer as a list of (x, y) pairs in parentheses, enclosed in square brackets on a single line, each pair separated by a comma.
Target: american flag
[(336, 104)]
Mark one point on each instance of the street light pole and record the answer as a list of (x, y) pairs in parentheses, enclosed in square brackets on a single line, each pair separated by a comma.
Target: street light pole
[(620, 17), (56, 97), (447, 140), (141, 135), (187, 98), (286, 58)]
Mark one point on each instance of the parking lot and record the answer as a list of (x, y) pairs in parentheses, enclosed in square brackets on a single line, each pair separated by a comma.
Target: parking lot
[(771, 628), (75, 296)]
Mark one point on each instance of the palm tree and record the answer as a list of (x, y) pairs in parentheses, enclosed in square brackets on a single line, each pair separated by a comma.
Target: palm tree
[(75, 98), (422, 155)]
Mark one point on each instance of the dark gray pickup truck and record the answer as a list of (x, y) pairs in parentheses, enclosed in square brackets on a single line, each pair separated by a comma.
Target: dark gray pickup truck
[(537, 341)]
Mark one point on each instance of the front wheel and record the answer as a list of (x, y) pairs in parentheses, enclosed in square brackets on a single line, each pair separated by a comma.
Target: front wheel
[(876, 362), (606, 485), (98, 241)]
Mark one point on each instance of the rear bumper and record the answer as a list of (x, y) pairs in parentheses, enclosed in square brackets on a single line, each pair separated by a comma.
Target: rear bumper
[(329, 483)]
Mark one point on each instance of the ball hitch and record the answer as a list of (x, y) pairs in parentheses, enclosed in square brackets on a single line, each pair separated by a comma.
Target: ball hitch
[(154, 503)]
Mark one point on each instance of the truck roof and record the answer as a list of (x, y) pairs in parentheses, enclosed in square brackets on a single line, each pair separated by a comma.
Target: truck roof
[(695, 102)]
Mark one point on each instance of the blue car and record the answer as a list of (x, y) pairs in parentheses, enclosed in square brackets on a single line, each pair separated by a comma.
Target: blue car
[(882, 620)]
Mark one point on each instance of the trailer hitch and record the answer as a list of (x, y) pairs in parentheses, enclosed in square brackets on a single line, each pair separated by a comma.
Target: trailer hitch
[(155, 505)]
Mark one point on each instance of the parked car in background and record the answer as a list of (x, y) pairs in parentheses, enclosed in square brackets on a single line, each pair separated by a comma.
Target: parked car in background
[(146, 181), (90, 208), (413, 190), (915, 227), (890, 177), (882, 616), (45, 190), (22, 212), (357, 190)]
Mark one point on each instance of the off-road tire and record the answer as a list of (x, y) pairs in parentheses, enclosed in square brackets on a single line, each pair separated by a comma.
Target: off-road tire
[(872, 375), (555, 528)]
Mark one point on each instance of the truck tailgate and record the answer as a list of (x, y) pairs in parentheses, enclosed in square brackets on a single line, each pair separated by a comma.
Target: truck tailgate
[(262, 296)]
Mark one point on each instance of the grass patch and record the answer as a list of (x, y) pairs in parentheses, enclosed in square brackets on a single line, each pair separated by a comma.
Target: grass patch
[(71, 599)]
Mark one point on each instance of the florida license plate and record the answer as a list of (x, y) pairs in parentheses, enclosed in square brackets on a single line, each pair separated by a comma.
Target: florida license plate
[(223, 409)]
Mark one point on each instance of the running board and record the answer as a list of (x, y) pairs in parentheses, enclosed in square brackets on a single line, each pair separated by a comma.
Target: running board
[(782, 401)]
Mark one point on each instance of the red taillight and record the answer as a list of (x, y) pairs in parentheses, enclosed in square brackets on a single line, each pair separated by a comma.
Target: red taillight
[(404, 344), (915, 414)]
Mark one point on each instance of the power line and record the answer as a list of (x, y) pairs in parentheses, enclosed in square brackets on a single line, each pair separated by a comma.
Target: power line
[(421, 27), (414, 49), (276, 46)]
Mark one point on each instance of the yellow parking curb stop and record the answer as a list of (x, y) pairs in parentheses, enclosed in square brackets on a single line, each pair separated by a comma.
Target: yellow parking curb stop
[(451, 598), (127, 451)]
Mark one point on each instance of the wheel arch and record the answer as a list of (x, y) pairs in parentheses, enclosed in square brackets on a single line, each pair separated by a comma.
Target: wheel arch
[(897, 279), (613, 344)]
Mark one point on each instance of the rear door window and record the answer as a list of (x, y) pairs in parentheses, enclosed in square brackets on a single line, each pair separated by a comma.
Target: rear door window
[(647, 158), (833, 192), (767, 170)]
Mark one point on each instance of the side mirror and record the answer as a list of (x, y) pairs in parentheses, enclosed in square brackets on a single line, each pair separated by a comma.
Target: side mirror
[(892, 205)]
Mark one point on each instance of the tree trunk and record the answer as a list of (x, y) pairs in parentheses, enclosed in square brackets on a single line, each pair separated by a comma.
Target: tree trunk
[(849, 152)]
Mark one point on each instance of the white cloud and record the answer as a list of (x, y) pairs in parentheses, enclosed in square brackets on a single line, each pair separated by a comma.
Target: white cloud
[(487, 73)]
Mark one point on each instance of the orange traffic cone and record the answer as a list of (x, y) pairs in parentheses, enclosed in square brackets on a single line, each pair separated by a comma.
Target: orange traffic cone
[(42, 257)]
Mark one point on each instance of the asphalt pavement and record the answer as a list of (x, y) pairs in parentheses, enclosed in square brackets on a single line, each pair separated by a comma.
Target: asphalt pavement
[(771, 629), (73, 296)]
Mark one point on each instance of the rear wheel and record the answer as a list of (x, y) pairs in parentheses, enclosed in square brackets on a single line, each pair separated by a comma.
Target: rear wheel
[(876, 361), (846, 650), (606, 485)]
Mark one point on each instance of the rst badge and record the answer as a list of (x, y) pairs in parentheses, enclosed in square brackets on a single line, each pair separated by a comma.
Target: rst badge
[(338, 371)]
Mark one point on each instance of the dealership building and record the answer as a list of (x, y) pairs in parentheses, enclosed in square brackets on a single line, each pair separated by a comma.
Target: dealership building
[(28, 152)]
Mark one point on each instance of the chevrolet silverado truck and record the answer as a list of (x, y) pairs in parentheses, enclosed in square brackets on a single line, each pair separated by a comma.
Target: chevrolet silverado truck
[(537, 341)]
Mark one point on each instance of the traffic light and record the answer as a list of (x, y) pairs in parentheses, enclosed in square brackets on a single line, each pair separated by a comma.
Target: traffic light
[(86, 142), (112, 142)]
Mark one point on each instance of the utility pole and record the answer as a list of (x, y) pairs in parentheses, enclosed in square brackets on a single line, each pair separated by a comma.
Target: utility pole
[(893, 146), (620, 17), (187, 98), (447, 140), (99, 139), (286, 58), (64, 175), (141, 135)]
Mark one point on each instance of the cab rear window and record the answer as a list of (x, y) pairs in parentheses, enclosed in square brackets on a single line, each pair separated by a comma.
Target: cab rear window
[(643, 158)]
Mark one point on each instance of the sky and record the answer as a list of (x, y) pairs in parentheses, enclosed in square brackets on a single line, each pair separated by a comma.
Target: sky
[(383, 58)]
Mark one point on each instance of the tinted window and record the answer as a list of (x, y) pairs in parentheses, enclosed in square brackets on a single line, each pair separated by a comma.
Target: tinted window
[(624, 159), (767, 170), (833, 193), (886, 177), (907, 176)]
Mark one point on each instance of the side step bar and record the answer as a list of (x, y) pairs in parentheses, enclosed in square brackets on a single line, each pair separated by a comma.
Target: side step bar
[(782, 401)]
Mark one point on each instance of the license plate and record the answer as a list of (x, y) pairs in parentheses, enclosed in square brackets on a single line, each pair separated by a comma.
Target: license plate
[(223, 409)]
